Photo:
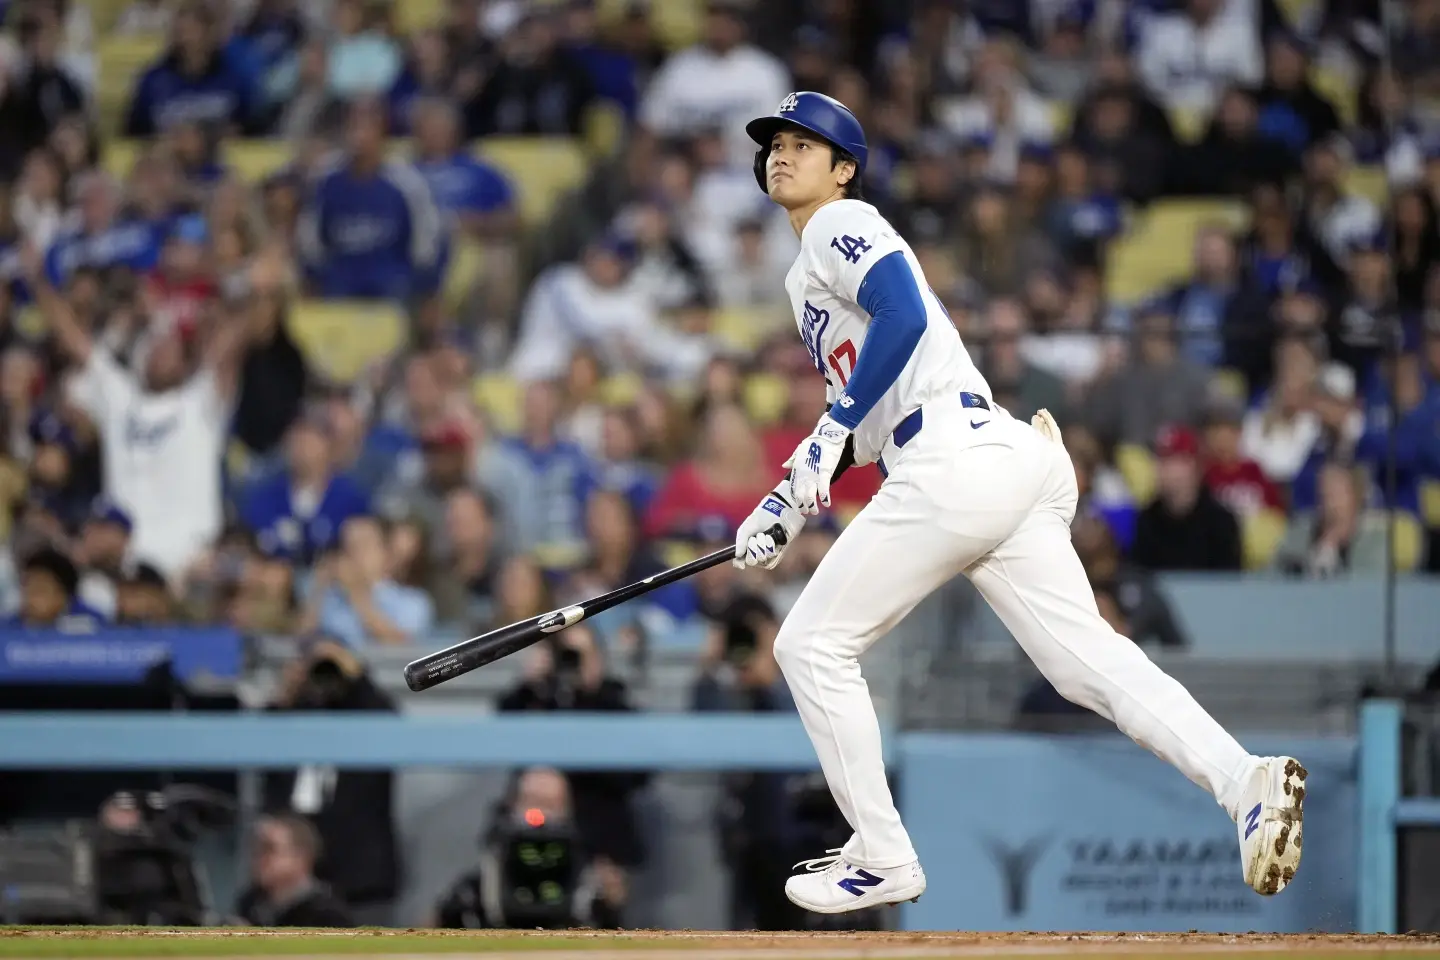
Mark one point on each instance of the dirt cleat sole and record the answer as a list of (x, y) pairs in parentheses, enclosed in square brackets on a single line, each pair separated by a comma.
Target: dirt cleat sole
[(1271, 824)]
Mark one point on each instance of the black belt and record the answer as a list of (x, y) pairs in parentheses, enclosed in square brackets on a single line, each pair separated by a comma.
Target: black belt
[(906, 429)]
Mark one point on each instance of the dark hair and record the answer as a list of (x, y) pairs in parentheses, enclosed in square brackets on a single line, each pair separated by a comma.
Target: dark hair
[(56, 564), (303, 835), (855, 188)]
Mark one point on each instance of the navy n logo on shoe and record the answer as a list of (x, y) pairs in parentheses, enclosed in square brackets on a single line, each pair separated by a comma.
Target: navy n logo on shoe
[(1252, 820), (862, 878)]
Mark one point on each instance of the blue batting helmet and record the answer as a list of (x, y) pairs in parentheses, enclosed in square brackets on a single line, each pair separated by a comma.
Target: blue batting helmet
[(821, 115)]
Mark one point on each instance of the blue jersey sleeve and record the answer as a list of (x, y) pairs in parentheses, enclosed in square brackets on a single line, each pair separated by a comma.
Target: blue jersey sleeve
[(891, 296)]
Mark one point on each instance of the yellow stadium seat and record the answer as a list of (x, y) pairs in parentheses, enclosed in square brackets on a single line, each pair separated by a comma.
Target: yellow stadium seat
[(342, 339), (1189, 123), (604, 129), (1231, 383), (1062, 118), (1430, 503), (677, 22), (1260, 536), (1298, 13), (1339, 89), (765, 397), (30, 323), (558, 556), (120, 60), (673, 553), (237, 461), (543, 169), (413, 16), (498, 397), (255, 160), (739, 327), (1408, 547), (1157, 250), (1370, 183), (120, 157), (621, 389), (1137, 466), (467, 259)]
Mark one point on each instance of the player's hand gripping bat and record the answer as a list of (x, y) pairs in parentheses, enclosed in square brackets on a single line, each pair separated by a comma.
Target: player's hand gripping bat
[(436, 668)]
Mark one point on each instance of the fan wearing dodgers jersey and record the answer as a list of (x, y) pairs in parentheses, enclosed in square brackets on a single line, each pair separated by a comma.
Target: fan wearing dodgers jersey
[(967, 489)]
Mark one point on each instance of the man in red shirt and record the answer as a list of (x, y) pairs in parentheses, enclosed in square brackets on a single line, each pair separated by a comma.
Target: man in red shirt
[(183, 285), (1236, 482)]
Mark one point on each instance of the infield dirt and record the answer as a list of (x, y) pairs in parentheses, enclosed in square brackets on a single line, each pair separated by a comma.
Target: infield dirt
[(130, 942)]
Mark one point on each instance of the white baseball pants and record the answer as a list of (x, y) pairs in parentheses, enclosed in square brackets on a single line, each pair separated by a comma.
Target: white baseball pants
[(994, 503)]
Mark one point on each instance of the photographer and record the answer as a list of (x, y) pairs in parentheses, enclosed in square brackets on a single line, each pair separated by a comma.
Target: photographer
[(568, 673), (283, 891), (533, 871), (352, 810), (757, 829), (145, 869)]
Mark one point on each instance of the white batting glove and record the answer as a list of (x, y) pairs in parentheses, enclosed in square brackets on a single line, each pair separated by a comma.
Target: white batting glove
[(755, 545), (813, 464), (1047, 426)]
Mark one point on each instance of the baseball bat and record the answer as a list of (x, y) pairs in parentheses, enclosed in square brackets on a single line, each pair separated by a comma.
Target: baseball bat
[(467, 655)]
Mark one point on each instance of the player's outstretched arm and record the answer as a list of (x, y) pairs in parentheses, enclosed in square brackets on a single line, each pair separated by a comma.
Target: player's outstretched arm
[(73, 338)]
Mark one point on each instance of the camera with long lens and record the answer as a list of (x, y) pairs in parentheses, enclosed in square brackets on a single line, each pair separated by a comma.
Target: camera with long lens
[(538, 865), (145, 867)]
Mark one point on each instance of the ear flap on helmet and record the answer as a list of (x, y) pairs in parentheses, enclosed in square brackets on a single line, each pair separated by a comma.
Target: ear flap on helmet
[(761, 156)]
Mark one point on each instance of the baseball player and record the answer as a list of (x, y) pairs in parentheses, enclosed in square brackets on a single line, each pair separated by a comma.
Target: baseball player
[(967, 489)]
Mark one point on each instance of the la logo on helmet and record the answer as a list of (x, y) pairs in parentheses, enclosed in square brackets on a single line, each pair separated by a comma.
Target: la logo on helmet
[(788, 104)]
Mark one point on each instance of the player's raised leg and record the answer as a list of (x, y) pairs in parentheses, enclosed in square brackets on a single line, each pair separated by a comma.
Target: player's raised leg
[(1037, 586)]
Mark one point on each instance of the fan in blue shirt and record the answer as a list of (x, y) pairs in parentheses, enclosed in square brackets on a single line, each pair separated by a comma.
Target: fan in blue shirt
[(297, 514), (371, 229), (103, 240), (49, 583), (197, 81)]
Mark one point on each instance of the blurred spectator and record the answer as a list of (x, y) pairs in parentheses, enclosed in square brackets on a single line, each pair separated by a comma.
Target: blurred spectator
[(362, 59), (1212, 310), (143, 599), (727, 470), (145, 18), (1082, 216), (298, 512), (722, 82), (613, 71), (537, 87), (667, 271), (101, 554), (352, 598), (927, 215), (370, 228), (539, 480), (1338, 218), (56, 486), (1125, 134), (101, 238), (1236, 154), (1185, 527), (1365, 320), (341, 805), (197, 80), (1023, 386), (283, 891), (38, 202), (1003, 112), (596, 304), (511, 887), (262, 598), (1141, 605), (1159, 387), (1290, 108), (1340, 537), (1401, 444), (427, 75), (1189, 56), (162, 431), (998, 251), (42, 91), (1280, 433), (1102, 490), (1237, 482), (569, 673), (464, 581), (180, 289), (1414, 230), (49, 600), (274, 376), (1341, 424)]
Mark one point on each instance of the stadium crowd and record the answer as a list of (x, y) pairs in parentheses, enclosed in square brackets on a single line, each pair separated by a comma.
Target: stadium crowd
[(306, 330)]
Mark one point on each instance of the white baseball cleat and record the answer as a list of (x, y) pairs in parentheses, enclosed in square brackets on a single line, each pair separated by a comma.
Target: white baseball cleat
[(1270, 824), (830, 885)]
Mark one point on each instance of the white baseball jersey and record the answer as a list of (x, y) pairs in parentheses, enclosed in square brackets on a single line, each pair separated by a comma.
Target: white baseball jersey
[(839, 245)]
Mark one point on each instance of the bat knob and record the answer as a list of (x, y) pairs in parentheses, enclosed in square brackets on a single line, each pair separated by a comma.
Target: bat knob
[(777, 533)]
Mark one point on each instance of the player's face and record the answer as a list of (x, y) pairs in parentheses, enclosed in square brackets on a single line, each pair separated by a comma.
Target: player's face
[(800, 172)]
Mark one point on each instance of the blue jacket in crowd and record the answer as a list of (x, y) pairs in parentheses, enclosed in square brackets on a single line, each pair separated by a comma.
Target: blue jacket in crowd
[(282, 531), (372, 236), (130, 243), (166, 95)]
